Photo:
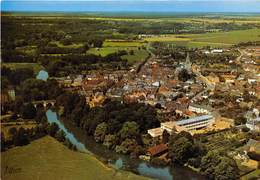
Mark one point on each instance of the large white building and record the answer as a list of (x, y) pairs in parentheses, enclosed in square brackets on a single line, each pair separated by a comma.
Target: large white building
[(196, 122), (189, 125)]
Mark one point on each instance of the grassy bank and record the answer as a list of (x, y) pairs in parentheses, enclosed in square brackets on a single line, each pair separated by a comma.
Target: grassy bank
[(46, 158)]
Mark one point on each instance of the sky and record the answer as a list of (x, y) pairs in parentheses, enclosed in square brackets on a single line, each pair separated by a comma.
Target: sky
[(175, 6)]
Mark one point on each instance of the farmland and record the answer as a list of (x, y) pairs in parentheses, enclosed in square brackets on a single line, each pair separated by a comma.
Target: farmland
[(46, 158), (217, 39), (139, 53), (35, 66), (253, 175)]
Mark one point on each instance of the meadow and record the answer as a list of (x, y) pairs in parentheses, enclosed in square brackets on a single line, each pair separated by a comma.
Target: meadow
[(253, 175), (35, 66), (46, 158), (114, 46), (215, 39), (193, 18)]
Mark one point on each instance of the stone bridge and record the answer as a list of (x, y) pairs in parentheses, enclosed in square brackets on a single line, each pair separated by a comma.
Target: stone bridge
[(44, 103)]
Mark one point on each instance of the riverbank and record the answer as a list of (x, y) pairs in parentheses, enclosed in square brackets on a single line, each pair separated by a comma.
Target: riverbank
[(46, 158), (124, 162)]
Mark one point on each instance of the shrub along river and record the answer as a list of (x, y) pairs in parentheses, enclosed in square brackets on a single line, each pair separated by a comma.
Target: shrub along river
[(87, 144)]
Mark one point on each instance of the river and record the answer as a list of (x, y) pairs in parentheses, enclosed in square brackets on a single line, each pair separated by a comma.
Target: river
[(42, 75), (87, 144)]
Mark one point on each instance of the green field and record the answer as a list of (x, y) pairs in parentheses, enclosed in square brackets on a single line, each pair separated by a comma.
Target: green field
[(193, 19), (218, 39), (115, 46), (253, 175), (30, 50), (36, 67), (46, 158), (72, 45), (139, 55), (121, 43)]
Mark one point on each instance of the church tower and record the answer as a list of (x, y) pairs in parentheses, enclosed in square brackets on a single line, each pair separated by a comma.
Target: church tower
[(188, 63)]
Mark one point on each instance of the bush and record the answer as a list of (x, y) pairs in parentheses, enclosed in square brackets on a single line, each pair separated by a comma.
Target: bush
[(195, 162), (158, 162)]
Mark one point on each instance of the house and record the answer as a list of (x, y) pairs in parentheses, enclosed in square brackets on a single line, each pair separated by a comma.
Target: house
[(228, 78), (217, 51), (253, 124), (77, 81), (169, 126), (96, 100), (251, 81), (252, 149), (163, 90), (213, 78), (157, 150), (198, 109), (155, 132), (253, 146), (156, 84), (134, 97)]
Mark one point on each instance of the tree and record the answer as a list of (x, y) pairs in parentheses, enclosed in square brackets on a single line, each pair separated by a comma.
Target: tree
[(2, 138), (240, 120), (40, 116), (66, 41), (21, 138), (68, 144), (165, 137), (226, 170), (12, 131), (52, 129), (110, 141), (245, 129), (98, 43), (180, 150), (131, 52), (184, 75), (127, 146), (100, 132), (216, 166), (137, 151), (28, 111), (129, 130), (60, 136), (4, 82)]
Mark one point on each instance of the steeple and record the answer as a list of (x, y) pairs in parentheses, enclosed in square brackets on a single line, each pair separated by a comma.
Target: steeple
[(188, 63)]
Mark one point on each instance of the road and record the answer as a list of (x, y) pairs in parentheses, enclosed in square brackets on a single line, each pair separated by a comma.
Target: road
[(210, 85), (150, 58), (242, 53)]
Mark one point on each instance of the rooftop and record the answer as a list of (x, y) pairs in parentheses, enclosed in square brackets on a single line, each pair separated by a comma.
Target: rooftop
[(157, 149), (193, 120)]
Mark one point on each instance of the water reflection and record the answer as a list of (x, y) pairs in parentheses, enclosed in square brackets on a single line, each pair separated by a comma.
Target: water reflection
[(118, 164), (42, 75), (160, 173), (53, 118)]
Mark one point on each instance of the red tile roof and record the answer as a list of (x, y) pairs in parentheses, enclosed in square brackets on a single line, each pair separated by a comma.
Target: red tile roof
[(157, 149)]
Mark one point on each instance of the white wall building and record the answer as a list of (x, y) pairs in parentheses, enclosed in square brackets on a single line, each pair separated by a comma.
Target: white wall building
[(198, 109)]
